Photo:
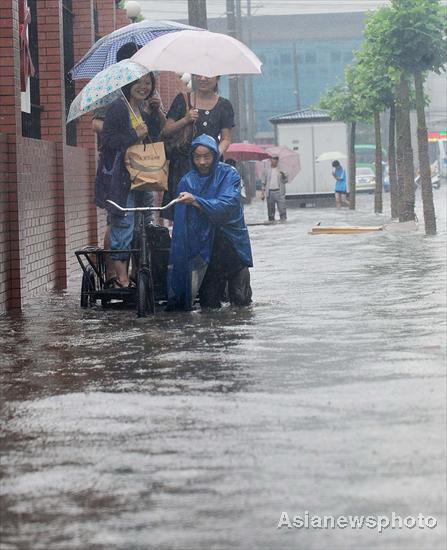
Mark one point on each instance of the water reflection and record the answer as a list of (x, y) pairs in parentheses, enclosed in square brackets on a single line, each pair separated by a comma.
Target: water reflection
[(196, 430)]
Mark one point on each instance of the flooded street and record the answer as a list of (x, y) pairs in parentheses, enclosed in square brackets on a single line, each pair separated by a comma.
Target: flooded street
[(197, 430)]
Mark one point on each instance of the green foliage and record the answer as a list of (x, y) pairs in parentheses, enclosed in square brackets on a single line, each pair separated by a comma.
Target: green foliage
[(375, 80), (409, 35), (338, 102), (343, 100)]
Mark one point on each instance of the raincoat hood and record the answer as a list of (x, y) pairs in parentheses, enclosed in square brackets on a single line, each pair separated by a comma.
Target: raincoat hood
[(210, 143)]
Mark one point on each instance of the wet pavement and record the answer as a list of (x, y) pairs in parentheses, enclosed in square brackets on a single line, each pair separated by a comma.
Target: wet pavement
[(197, 430)]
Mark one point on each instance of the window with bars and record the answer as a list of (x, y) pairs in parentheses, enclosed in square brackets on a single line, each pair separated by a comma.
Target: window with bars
[(67, 11), (31, 121), (96, 22)]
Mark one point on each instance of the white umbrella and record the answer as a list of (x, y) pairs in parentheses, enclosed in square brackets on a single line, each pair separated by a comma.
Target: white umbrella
[(331, 155), (205, 53)]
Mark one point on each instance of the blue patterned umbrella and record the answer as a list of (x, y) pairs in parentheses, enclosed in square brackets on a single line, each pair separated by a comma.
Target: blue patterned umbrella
[(105, 87), (103, 52)]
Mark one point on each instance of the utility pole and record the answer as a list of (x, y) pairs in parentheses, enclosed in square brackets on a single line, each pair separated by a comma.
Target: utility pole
[(197, 13), (250, 96), (241, 79), (296, 78), (233, 81)]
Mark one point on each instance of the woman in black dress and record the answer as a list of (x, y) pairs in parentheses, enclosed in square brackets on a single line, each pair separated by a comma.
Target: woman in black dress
[(201, 112)]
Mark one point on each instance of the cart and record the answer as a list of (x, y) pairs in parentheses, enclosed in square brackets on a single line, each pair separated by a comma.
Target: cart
[(150, 252)]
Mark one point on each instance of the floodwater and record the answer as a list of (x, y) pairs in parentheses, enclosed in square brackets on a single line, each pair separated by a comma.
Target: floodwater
[(197, 430)]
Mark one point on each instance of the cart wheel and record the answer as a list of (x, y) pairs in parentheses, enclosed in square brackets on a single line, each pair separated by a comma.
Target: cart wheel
[(87, 287), (105, 302), (145, 294)]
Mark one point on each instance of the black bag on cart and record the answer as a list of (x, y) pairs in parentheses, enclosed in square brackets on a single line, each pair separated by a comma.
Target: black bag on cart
[(160, 243)]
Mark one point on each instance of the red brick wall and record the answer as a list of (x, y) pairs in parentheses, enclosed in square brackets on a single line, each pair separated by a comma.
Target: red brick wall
[(83, 37), (121, 18), (169, 85), (46, 187), (80, 212), (4, 225), (11, 126), (38, 215), (106, 16), (51, 70)]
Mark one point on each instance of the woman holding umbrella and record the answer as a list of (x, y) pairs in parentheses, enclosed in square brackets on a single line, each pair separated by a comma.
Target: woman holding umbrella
[(126, 124), (201, 112)]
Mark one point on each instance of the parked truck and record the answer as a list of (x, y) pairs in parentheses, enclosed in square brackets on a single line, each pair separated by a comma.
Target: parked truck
[(310, 133)]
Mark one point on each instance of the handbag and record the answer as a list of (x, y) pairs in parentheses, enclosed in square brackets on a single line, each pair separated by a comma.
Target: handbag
[(147, 166), (181, 140)]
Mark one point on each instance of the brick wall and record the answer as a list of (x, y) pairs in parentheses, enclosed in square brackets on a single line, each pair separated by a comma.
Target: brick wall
[(4, 225), (121, 19), (46, 187), (11, 127), (51, 69), (38, 216), (169, 85), (80, 212), (84, 38), (106, 17)]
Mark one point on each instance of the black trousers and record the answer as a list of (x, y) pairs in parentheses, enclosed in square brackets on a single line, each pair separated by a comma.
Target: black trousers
[(225, 268)]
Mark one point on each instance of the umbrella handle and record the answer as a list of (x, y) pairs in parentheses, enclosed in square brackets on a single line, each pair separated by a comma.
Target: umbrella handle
[(128, 104)]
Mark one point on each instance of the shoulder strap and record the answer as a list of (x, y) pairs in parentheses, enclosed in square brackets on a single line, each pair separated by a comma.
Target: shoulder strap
[(187, 100)]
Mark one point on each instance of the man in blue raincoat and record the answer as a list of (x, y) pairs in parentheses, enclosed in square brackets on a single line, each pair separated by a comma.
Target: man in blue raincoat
[(210, 243)]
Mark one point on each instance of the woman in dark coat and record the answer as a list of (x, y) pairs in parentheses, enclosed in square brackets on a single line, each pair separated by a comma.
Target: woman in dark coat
[(201, 112), (126, 124)]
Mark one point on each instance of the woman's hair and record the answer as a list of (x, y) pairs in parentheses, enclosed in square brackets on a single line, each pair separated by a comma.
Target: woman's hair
[(335, 163), (126, 51), (126, 89)]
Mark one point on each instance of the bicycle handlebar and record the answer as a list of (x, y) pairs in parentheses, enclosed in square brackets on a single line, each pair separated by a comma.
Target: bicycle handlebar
[(142, 208)]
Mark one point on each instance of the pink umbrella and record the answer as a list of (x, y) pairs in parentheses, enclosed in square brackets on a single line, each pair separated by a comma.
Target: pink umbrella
[(246, 151), (289, 161)]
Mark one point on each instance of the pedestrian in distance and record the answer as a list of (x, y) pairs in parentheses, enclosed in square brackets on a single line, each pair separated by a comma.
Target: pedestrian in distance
[(341, 191), (210, 243), (274, 190), (203, 111)]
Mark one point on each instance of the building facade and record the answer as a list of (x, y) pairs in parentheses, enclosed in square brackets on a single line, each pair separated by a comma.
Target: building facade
[(47, 169), (302, 56)]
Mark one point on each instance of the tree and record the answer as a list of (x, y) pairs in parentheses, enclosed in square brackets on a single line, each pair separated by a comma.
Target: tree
[(374, 83), (412, 41), (377, 89)]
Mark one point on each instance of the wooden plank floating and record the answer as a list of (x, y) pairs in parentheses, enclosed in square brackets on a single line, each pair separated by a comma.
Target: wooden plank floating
[(346, 229)]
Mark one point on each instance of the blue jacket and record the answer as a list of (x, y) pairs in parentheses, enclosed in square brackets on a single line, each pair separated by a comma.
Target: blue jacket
[(112, 177), (340, 181), (218, 195)]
